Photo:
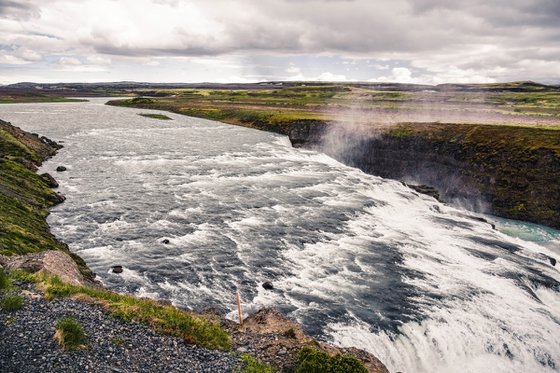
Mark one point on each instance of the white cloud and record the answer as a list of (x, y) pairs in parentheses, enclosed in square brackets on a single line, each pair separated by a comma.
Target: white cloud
[(68, 61), (330, 77), (416, 40)]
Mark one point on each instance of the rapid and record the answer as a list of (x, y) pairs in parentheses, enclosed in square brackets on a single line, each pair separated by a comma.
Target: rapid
[(195, 210)]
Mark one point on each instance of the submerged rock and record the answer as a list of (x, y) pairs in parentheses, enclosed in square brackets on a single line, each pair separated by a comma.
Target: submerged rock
[(117, 269), (426, 189), (267, 285)]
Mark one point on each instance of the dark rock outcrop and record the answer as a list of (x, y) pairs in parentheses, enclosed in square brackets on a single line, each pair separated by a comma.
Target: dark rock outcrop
[(425, 189), (511, 172), (51, 181), (275, 339)]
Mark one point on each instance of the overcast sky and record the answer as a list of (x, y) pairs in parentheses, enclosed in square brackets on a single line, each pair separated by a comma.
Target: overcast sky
[(408, 41)]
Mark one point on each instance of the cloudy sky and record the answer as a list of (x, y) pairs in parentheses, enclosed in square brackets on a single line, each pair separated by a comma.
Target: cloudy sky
[(416, 41)]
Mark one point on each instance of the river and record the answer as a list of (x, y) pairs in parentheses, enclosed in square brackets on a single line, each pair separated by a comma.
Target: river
[(195, 210)]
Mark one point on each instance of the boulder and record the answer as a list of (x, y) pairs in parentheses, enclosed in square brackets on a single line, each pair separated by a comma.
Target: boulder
[(426, 189), (51, 263), (552, 261), (165, 242), (267, 285), (61, 169), (50, 180), (279, 339)]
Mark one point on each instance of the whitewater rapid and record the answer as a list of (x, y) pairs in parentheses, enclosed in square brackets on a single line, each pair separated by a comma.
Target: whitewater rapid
[(357, 259)]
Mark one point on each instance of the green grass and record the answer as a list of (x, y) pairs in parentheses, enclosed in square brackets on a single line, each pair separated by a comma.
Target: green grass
[(5, 281), (70, 334), (11, 302), (155, 116), (251, 365), (117, 341), (312, 360), (193, 328), (34, 98)]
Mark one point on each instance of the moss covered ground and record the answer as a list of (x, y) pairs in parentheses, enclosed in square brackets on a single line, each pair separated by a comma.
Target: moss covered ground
[(24, 195)]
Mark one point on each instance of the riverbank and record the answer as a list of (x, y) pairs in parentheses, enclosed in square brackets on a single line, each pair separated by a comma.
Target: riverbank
[(124, 333)]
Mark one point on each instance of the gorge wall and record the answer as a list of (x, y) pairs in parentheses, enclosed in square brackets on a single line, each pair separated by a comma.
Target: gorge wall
[(508, 171)]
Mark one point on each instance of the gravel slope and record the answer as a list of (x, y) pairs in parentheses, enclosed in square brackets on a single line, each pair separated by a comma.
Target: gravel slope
[(27, 343)]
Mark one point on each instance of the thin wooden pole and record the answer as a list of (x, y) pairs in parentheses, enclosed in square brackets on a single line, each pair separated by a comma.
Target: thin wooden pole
[(239, 308)]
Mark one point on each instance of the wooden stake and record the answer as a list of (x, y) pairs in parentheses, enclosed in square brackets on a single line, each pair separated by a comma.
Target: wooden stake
[(239, 308)]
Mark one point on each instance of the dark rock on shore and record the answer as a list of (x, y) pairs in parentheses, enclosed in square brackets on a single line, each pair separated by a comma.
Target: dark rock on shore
[(51, 143), (51, 181), (276, 340)]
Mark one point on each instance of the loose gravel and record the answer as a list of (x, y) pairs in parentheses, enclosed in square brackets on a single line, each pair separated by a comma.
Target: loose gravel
[(27, 343)]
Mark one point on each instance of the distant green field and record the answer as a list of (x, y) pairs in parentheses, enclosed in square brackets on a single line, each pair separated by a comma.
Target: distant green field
[(155, 116), (512, 104), (34, 98)]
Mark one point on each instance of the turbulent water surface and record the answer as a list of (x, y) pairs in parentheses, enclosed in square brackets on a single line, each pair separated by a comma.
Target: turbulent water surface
[(357, 259)]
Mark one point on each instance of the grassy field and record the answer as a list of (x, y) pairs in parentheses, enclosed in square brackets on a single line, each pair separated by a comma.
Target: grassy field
[(19, 98), (155, 116), (275, 109)]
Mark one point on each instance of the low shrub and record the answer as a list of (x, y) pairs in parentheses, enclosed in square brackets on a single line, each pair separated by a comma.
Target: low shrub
[(70, 333), (5, 283), (11, 303), (312, 360), (252, 365)]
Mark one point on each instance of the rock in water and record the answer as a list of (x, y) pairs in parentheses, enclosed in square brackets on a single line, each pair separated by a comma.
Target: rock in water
[(267, 285), (426, 189), (60, 169), (552, 261), (165, 242), (117, 269), (50, 180)]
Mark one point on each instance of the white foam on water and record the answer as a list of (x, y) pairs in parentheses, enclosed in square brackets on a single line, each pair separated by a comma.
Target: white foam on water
[(327, 235)]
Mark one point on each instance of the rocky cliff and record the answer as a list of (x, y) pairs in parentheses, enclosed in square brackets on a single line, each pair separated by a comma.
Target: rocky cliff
[(508, 171)]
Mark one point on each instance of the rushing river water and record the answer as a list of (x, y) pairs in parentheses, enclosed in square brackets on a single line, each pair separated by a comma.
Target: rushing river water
[(357, 259)]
